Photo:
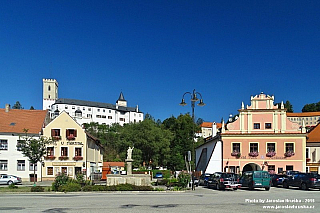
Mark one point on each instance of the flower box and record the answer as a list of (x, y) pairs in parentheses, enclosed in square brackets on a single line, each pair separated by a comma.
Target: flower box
[(49, 157), (253, 154), (289, 154), (71, 137), (63, 158), (236, 154), (56, 138), (76, 158), (308, 159), (271, 154)]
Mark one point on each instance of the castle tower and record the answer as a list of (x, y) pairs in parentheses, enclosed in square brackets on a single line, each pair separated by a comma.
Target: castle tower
[(50, 93), (121, 101)]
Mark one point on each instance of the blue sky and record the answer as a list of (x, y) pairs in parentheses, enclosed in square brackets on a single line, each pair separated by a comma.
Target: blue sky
[(155, 51)]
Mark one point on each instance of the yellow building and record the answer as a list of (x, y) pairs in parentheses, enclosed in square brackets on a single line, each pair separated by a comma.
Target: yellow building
[(72, 151)]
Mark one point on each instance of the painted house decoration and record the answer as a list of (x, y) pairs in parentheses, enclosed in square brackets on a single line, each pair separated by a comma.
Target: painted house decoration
[(72, 151), (89, 111), (262, 138), (12, 124)]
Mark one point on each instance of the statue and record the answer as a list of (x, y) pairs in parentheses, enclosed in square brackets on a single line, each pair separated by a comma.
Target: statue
[(129, 152)]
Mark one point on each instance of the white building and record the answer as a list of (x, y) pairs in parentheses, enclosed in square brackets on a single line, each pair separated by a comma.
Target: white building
[(88, 111), (12, 124)]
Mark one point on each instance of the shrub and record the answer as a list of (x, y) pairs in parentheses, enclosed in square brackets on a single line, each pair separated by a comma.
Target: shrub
[(12, 186), (87, 188), (99, 188), (37, 189), (184, 179), (60, 180), (70, 187)]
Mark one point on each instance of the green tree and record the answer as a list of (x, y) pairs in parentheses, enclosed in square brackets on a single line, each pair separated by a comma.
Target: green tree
[(313, 107), (17, 105), (33, 148), (288, 106)]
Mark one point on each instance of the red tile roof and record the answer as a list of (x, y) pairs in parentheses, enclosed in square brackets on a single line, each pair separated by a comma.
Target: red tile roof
[(314, 135), (16, 120), (108, 164), (302, 114), (209, 125)]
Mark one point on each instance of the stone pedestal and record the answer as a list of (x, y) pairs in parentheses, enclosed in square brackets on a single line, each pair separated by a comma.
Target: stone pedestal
[(129, 166)]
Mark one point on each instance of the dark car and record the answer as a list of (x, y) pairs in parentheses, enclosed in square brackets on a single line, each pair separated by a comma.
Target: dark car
[(277, 180), (222, 180), (203, 179), (303, 180)]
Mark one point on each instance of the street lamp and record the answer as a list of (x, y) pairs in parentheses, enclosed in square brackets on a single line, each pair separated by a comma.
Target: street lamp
[(194, 99)]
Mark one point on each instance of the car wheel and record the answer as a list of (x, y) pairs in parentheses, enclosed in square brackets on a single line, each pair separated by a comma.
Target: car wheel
[(267, 188), (217, 186), (250, 187), (10, 182), (285, 185), (304, 186), (235, 189)]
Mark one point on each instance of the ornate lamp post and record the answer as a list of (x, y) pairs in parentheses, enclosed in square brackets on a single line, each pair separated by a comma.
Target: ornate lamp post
[(194, 99)]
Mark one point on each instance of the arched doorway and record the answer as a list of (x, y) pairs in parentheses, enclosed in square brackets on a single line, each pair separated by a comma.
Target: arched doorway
[(251, 167)]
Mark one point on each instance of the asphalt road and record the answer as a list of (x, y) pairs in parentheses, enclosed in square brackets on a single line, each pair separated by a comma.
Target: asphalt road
[(200, 200)]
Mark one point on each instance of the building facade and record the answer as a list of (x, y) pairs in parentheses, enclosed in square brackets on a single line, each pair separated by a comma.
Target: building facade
[(310, 119), (72, 150), (262, 138), (12, 125), (313, 150), (88, 111)]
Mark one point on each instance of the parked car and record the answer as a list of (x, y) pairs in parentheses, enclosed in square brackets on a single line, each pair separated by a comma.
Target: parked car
[(303, 180), (9, 179), (158, 175), (256, 179), (222, 180), (277, 180), (203, 179)]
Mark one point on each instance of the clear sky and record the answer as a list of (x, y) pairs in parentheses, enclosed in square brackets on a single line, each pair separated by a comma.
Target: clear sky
[(155, 51)]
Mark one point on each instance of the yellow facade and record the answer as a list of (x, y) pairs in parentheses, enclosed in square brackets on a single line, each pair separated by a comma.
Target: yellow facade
[(72, 150)]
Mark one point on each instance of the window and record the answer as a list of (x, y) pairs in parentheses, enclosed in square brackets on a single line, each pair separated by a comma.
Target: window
[(50, 151), (71, 133), (289, 168), (98, 110), (31, 167), (254, 147), (122, 119), (289, 147), (89, 109), (49, 170), (98, 116), (235, 147), (73, 107), (267, 125), (271, 168), (64, 151), (103, 110), (21, 164), (64, 170), (49, 88), (89, 116), (55, 132), (3, 165), (271, 147), (256, 125), (19, 145), (307, 153), (109, 117), (103, 116), (3, 145), (109, 111), (66, 107), (78, 152), (280, 170)]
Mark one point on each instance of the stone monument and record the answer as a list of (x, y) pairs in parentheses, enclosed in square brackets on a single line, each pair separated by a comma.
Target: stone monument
[(129, 160)]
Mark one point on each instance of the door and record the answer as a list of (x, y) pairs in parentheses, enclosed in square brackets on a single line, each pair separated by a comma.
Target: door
[(266, 179)]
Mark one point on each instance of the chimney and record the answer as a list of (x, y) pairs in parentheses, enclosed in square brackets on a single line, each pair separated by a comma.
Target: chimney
[(7, 108)]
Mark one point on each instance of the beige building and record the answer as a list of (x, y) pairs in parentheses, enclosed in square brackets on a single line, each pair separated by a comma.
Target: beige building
[(72, 151), (309, 118)]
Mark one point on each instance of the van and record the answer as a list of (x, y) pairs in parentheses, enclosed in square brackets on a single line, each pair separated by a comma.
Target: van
[(256, 179)]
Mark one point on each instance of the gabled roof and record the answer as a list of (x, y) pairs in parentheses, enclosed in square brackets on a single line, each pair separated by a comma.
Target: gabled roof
[(121, 97), (302, 114), (15, 120), (314, 135)]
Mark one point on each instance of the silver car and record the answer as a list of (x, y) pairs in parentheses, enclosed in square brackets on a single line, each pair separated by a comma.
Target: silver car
[(9, 179)]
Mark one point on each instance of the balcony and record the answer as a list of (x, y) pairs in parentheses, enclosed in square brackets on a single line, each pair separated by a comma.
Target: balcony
[(63, 158), (76, 158), (71, 137)]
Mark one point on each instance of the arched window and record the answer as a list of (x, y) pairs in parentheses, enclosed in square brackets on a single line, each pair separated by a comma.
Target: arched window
[(49, 88)]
